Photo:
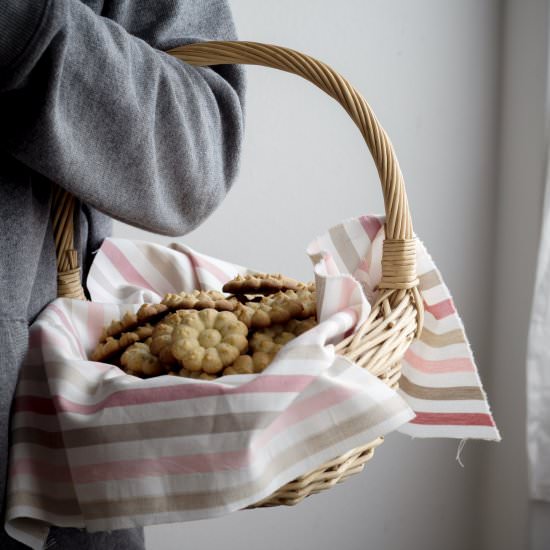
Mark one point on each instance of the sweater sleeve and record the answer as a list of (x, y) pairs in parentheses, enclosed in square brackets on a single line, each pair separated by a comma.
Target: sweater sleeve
[(89, 100)]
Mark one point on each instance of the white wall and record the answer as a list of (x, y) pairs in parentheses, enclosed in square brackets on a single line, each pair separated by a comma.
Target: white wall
[(506, 512), (430, 69)]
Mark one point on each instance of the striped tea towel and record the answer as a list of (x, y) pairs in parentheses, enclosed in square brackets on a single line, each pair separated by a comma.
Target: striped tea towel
[(439, 378), (93, 447)]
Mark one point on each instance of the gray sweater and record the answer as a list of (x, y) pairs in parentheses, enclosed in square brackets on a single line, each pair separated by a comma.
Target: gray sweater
[(89, 101)]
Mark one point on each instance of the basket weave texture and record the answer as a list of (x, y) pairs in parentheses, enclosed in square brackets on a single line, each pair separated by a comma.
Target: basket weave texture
[(396, 316)]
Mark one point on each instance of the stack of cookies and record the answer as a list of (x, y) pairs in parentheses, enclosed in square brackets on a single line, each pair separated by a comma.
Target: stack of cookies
[(208, 334)]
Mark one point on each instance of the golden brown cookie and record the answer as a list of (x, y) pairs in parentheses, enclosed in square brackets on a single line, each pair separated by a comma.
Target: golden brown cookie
[(117, 326), (250, 364), (111, 347), (161, 343), (150, 313), (139, 361), (147, 313), (270, 340), (265, 343), (276, 308), (196, 374), (307, 296), (260, 283), (198, 299), (299, 326), (243, 365), (208, 340)]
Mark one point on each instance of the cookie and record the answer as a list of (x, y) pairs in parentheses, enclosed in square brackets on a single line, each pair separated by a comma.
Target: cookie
[(139, 361), (264, 344), (276, 308), (196, 374), (260, 283), (198, 299), (111, 347), (299, 326), (147, 313), (270, 340), (161, 344), (305, 295), (243, 365), (208, 340), (117, 326)]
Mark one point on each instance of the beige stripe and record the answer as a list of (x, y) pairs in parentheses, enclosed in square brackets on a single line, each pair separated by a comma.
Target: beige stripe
[(304, 353), (62, 490), (440, 394), (344, 247), (61, 507), (429, 280), (197, 501), (57, 370), (119, 433), (321, 289), (441, 340)]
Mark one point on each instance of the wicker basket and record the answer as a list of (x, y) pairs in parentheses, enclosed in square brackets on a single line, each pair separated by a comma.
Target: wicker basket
[(396, 317)]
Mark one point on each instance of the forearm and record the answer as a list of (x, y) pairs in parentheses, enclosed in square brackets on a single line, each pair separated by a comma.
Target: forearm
[(125, 127)]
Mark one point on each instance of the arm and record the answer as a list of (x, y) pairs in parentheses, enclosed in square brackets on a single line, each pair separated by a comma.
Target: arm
[(94, 105)]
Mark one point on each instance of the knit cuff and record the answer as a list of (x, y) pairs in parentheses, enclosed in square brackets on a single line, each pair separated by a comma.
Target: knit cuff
[(19, 20)]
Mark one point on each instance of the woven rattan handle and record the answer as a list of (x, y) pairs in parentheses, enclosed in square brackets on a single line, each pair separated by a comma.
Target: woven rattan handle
[(68, 271), (398, 262), (399, 254)]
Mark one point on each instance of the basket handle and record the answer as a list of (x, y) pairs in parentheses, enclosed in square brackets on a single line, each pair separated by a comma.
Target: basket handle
[(399, 254)]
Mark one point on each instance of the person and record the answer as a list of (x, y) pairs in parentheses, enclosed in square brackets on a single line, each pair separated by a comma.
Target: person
[(90, 101)]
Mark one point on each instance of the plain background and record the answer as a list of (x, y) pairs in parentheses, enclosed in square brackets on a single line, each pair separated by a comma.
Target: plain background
[(452, 83)]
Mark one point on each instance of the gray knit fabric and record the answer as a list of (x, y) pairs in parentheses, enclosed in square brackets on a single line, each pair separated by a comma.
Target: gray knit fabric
[(89, 101)]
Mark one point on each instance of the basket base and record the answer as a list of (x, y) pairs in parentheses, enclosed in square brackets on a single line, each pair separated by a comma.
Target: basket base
[(322, 478)]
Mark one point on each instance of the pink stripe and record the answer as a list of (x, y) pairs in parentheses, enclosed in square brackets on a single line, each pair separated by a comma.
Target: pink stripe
[(174, 392), (48, 339), (364, 265), (331, 266), (441, 309), (453, 419), (200, 263), (371, 225), (346, 291), (96, 320), (123, 265), (41, 469), (458, 364), (69, 326), (306, 408), (165, 465)]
